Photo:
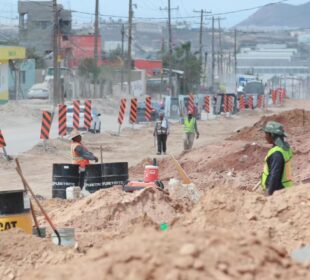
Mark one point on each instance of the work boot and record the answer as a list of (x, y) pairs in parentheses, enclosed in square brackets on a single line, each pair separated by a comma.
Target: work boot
[(158, 153)]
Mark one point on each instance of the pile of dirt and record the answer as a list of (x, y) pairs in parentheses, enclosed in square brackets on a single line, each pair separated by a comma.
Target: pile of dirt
[(114, 211), (296, 122), (21, 252), (19, 109), (282, 218), (180, 254)]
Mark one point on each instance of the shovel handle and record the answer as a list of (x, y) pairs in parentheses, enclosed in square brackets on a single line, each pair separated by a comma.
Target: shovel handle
[(20, 173)]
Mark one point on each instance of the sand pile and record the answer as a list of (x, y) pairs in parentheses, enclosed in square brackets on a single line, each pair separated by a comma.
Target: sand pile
[(115, 211), (296, 122), (180, 254), (20, 252), (19, 109), (282, 218)]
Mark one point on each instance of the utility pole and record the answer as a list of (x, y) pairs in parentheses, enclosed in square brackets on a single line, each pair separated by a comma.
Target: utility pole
[(202, 12), (122, 70), (170, 49), (96, 45), (56, 97), (172, 92), (213, 57), (235, 52), (129, 46)]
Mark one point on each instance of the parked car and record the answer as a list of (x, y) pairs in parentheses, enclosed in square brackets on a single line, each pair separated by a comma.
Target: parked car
[(95, 123), (38, 91), (156, 108)]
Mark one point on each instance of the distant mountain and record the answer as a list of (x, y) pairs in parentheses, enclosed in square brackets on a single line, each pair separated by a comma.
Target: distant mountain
[(280, 15)]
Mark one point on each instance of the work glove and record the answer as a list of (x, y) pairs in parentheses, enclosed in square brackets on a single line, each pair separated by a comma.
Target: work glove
[(197, 135), (96, 159)]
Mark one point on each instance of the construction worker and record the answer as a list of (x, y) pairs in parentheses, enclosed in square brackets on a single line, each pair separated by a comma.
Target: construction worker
[(190, 129), (161, 131), (277, 169), (80, 155)]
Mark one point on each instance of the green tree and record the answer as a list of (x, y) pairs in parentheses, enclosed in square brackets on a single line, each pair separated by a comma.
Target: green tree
[(185, 60), (89, 69), (31, 54)]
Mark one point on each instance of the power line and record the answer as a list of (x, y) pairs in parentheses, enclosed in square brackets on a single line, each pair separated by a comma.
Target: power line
[(176, 17)]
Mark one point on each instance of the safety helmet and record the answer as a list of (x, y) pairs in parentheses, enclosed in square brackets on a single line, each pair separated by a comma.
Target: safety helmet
[(275, 128), (74, 133)]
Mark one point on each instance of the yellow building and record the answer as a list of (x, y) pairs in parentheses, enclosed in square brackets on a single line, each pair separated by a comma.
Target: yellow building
[(8, 53)]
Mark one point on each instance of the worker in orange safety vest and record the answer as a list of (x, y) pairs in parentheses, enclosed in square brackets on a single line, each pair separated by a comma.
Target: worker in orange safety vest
[(80, 155)]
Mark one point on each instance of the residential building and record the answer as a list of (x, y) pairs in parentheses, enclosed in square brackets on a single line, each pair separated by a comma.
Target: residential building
[(36, 25)]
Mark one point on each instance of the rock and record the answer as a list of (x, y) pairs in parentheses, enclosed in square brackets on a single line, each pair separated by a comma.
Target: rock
[(189, 249), (177, 190), (184, 262), (199, 265)]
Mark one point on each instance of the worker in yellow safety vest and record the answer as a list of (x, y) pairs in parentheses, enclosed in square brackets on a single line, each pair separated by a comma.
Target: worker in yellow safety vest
[(277, 172), (190, 130), (80, 155)]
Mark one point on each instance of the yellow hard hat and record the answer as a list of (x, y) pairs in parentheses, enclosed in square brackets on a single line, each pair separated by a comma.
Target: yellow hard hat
[(74, 133)]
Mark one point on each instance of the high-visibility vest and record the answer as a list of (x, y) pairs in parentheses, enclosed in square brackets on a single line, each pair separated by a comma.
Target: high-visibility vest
[(189, 126), (287, 172), (76, 158)]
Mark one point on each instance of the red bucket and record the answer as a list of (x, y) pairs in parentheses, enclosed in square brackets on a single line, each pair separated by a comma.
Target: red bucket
[(150, 173)]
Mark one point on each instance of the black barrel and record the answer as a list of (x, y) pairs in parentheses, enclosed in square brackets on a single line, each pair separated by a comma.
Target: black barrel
[(64, 176), (12, 202), (107, 175)]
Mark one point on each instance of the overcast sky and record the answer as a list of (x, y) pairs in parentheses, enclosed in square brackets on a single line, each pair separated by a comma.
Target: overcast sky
[(149, 8)]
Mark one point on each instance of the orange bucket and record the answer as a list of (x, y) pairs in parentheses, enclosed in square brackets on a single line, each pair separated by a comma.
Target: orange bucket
[(151, 173)]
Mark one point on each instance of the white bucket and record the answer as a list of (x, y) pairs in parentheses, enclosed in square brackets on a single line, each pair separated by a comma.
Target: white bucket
[(67, 236), (73, 193)]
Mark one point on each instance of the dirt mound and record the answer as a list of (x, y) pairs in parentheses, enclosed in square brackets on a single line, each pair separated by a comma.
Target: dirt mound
[(114, 211), (180, 254), (247, 158), (296, 122), (283, 217), (21, 252)]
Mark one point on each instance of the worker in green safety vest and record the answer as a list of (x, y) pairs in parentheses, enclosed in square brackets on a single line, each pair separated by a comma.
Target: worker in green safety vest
[(190, 130), (277, 169)]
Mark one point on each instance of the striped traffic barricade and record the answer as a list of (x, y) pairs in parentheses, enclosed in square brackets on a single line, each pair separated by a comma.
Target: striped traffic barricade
[(230, 105), (46, 125), (260, 101), (250, 102), (225, 103), (207, 104), (62, 120), (76, 114), (121, 114), (274, 97), (87, 115), (241, 103), (191, 103), (2, 141), (148, 108), (133, 111)]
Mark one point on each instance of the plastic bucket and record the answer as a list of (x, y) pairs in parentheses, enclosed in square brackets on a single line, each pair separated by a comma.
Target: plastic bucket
[(73, 193), (64, 176), (107, 175), (151, 173), (15, 211), (67, 236)]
